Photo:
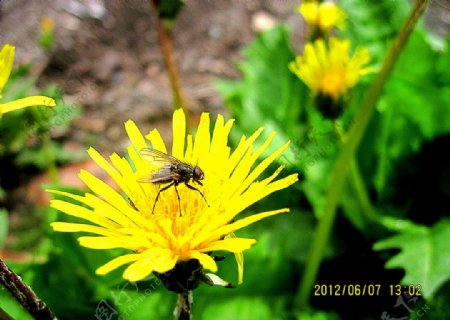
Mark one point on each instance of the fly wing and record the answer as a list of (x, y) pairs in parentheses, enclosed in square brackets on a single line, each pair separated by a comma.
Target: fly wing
[(158, 158), (162, 175)]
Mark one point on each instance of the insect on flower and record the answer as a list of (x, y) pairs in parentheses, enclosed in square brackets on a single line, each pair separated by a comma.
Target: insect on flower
[(171, 171)]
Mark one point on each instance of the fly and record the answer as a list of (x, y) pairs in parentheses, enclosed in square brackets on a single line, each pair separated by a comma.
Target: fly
[(172, 171)]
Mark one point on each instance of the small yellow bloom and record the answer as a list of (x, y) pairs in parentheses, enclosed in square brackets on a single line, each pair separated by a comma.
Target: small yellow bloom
[(47, 25), (159, 240), (322, 17), (6, 64), (329, 70)]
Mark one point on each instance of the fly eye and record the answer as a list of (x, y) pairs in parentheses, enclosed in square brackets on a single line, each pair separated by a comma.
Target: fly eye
[(198, 173)]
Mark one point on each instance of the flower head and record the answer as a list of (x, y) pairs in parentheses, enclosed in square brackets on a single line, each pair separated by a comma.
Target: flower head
[(182, 229), (322, 17), (6, 64), (329, 70)]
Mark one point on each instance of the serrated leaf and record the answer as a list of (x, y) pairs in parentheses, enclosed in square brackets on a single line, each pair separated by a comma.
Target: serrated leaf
[(424, 255)]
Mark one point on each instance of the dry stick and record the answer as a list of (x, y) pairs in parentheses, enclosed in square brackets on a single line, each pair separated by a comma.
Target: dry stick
[(165, 41), (346, 156), (24, 294)]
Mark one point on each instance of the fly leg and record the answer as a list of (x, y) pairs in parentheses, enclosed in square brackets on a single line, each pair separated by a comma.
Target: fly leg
[(194, 188), (161, 190), (179, 202)]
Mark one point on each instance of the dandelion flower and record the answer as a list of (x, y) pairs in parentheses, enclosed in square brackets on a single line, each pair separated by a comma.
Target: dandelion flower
[(6, 64), (322, 17), (328, 70), (171, 235)]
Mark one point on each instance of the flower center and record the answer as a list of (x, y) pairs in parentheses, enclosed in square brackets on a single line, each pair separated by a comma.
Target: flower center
[(332, 84)]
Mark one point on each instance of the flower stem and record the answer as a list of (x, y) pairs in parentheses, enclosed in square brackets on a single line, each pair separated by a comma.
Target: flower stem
[(358, 185), (24, 294), (165, 41), (183, 310), (50, 157), (357, 182), (347, 154)]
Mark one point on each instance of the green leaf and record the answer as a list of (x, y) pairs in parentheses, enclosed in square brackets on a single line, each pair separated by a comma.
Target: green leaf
[(145, 303), (317, 315), (240, 308), (412, 111), (3, 226), (11, 306), (269, 94), (424, 254), (374, 23)]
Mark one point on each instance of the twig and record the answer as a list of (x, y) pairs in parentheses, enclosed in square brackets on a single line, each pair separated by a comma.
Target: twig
[(24, 294)]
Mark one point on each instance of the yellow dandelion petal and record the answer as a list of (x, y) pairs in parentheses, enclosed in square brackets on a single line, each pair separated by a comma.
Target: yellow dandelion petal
[(80, 227), (179, 134), (132, 243), (156, 140), (205, 260), (232, 245), (114, 198), (105, 165), (330, 70), (81, 212), (137, 142), (117, 262), (138, 270), (27, 102), (187, 223), (225, 229), (322, 17), (6, 64), (135, 135), (239, 257), (202, 138), (189, 148), (162, 259), (98, 206)]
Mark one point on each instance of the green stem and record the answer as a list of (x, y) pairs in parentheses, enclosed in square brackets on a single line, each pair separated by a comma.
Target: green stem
[(364, 200), (347, 155), (165, 41), (47, 149), (357, 182), (53, 170)]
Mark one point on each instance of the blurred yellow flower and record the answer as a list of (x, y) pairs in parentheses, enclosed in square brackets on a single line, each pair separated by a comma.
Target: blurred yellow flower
[(6, 64), (170, 235), (321, 17), (329, 70), (47, 24)]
